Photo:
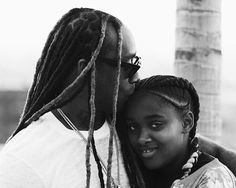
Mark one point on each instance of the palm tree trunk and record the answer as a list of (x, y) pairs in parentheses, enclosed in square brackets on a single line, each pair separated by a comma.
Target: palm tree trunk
[(198, 57)]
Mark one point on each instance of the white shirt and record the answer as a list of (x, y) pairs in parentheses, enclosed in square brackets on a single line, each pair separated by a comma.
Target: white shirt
[(46, 154)]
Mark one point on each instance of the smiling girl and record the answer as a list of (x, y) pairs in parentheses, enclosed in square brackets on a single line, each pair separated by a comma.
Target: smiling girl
[(160, 122)]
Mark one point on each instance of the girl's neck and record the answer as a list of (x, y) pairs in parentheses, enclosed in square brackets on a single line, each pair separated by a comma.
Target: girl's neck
[(162, 178)]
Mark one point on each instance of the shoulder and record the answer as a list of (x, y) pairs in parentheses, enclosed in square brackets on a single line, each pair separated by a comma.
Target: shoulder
[(15, 173), (210, 175), (45, 150), (216, 175), (44, 135)]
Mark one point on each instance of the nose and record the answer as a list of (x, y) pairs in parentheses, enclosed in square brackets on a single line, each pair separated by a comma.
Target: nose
[(144, 137), (134, 79)]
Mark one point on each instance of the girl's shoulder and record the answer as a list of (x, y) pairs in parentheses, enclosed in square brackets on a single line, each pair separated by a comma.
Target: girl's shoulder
[(216, 174), (213, 174)]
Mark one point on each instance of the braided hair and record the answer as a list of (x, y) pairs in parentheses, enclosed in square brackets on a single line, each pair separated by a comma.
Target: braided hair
[(78, 34), (176, 90)]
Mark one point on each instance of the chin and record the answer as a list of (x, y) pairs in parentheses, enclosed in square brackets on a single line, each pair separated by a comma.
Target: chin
[(152, 165)]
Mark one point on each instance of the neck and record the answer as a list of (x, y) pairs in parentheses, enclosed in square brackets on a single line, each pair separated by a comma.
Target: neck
[(80, 118), (77, 110), (163, 177)]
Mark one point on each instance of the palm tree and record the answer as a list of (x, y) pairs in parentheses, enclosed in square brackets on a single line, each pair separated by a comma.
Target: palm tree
[(198, 57)]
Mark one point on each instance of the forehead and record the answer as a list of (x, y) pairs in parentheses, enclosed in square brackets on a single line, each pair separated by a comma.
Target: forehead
[(142, 103), (111, 42)]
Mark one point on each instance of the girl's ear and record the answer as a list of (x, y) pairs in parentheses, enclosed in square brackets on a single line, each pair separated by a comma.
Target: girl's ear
[(81, 65), (188, 122)]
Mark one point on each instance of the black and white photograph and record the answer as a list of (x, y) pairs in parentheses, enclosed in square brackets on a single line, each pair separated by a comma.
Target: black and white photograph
[(117, 94)]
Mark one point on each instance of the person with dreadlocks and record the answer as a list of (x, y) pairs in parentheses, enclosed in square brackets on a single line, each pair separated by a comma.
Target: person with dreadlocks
[(159, 140), (86, 72)]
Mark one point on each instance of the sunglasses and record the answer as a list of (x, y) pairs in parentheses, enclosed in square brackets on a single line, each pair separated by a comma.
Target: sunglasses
[(130, 68)]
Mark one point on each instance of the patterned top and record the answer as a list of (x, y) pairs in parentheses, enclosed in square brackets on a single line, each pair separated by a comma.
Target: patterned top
[(212, 175)]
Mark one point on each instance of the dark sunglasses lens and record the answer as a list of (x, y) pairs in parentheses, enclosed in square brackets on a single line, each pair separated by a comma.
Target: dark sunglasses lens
[(130, 69), (135, 69)]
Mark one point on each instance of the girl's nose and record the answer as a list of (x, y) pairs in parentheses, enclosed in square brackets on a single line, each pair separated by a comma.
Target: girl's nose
[(144, 137)]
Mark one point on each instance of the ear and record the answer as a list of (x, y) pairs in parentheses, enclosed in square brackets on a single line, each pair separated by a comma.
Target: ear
[(188, 122), (81, 65)]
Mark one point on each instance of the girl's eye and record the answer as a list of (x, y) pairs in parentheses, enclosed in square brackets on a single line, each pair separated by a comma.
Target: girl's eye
[(131, 126), (156, 125)]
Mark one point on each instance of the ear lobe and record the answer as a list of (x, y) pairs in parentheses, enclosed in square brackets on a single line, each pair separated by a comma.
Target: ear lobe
[(81, 65), (188, 122)]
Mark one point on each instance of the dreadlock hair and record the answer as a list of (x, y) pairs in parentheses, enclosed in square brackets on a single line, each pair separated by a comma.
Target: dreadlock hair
[(175, 90), (78, 34)]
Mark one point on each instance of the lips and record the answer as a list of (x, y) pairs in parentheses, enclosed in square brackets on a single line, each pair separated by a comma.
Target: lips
[(148, 152)]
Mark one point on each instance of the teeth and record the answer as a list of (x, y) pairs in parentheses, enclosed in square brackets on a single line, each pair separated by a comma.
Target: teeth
[(147, 150)]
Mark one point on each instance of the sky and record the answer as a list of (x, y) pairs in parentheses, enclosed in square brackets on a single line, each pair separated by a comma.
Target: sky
[(25, 26)]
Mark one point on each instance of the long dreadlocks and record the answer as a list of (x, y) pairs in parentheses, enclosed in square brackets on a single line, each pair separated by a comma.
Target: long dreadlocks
[(78, 34), (179, 92)]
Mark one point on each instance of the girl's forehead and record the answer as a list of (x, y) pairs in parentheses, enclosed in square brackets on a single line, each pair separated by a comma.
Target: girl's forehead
[(147, 106), (146, 100), (145, 95)]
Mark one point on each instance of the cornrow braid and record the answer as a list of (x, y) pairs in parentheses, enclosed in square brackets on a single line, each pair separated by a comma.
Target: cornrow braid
[(177, 88)]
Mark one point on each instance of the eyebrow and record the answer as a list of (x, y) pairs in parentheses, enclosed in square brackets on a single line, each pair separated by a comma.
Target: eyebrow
[(128, 119), (152, 116)]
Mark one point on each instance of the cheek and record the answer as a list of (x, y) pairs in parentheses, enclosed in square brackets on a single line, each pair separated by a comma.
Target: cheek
[(133, 140), (172, 144), (169, 137)]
